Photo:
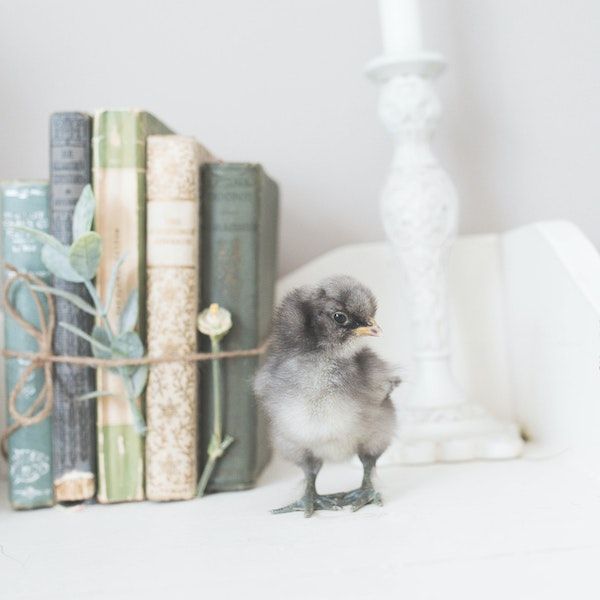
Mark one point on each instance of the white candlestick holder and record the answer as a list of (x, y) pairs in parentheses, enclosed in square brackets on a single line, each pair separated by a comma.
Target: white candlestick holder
[(419, 209)]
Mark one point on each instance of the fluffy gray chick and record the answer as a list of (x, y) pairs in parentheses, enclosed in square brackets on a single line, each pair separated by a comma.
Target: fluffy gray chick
[(328, 397)]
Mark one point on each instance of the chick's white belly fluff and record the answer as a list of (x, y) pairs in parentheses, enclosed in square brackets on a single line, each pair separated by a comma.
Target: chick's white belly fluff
[(327, 427)]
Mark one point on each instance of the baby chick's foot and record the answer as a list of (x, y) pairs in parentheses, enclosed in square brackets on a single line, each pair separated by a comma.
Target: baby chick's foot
[(358, 498), (308, 504), (363, 496)]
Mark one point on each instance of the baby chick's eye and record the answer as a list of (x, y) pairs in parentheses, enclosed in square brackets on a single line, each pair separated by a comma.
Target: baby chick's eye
[(340, 317)]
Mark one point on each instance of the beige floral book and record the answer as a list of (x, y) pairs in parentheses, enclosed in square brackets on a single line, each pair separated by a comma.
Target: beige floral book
[(173, 217)]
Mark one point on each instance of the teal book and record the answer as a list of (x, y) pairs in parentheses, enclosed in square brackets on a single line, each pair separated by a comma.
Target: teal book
[(238, 260), (29, 448)]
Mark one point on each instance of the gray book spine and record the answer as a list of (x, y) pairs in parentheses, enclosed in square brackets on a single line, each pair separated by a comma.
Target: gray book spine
[(239, 265), (74, 424)]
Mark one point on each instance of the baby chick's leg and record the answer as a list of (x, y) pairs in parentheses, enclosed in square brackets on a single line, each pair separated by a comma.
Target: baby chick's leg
[(366, 493), (311, 501)]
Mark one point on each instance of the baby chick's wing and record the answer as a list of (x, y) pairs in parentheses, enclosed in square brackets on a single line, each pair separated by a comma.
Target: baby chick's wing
[(373, 382), (372, 376)]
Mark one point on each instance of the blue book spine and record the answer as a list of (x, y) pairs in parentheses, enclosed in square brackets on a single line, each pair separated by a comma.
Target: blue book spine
[(29, 448)]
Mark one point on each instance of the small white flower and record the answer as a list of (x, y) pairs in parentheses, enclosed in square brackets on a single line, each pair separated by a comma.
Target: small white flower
[(214, 321)]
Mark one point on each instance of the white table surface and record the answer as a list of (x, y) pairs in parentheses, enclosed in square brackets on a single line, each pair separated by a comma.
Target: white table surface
[(523, 529)]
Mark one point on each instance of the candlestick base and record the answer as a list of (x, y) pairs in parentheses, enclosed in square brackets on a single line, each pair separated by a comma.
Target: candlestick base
[(454, 433)]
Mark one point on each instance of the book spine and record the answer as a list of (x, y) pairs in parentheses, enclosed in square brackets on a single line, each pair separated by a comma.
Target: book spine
[(29, 448), (74, 421), (172, 278), (268, 231), (119, 176), (232, 275)]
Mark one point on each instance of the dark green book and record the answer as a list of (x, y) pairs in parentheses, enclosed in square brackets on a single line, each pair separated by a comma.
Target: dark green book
[(239, 266), (29, 448)]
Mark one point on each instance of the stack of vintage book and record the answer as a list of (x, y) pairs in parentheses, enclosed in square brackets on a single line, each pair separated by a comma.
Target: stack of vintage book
[(194, 230)]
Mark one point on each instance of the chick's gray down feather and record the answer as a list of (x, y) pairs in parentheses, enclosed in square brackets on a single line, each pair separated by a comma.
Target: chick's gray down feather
[(327, 396)]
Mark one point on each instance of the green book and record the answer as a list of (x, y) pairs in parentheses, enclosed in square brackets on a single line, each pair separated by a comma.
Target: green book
[(29, 448), (119, 181), (239, 267)]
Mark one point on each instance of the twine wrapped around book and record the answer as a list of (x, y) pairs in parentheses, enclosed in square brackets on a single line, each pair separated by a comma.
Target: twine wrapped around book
[(41, 407)]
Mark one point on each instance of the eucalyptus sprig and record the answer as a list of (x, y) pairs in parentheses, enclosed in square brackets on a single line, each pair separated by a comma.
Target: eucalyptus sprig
[(78, 263)]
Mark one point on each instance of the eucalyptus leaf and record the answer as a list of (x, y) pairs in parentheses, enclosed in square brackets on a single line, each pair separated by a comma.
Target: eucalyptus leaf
[(139, 379), (112, 282), (127, 345), (40, 236), (84, 254), (128, 318), (102, 337), (72, 298), (92, 395), (83, 215), (58, 264), (82, 334), (138, 420)]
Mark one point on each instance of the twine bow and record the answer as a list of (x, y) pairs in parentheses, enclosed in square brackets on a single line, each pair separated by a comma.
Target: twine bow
[(44, 358), (41, 407)]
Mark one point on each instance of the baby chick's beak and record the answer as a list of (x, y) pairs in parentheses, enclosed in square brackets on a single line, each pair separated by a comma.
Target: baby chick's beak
[(371, 329)]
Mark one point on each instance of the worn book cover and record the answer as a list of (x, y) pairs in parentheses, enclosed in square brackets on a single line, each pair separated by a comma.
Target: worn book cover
[(173, 220), (74, 421), (25, 203), (119, 179), (239, 266)]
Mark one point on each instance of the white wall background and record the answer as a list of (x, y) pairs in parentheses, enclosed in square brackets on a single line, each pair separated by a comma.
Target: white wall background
[(281, 82)]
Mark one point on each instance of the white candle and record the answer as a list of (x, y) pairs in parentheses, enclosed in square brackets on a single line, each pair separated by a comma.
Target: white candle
[(400, 26)]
